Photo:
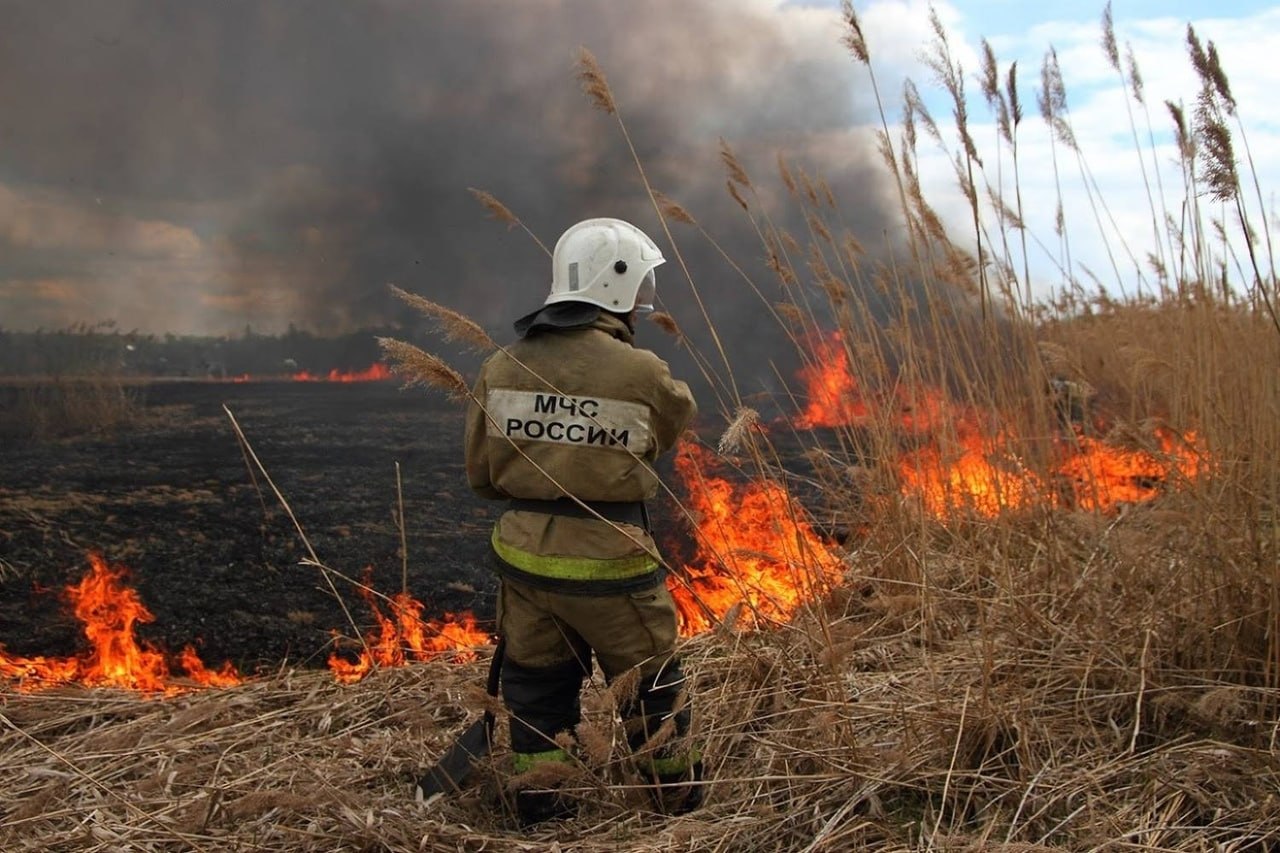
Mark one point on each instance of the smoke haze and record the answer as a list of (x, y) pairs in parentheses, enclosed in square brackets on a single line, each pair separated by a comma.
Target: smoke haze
[(196, 167)]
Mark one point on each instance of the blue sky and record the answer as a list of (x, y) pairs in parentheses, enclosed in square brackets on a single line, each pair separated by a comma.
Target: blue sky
[(1006, 16), (1109, 223), (998, 17)]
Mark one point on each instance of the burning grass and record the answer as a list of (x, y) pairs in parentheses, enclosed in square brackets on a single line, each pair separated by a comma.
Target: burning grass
[(1053, 678), (758, 558), (403, 635), (947, 713), (108, 610), (1053, 624)]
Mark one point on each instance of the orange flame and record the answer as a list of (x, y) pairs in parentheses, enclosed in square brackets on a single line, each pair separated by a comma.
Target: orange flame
[(978, 471), (833, 396), (975, 477), (375, 372), (404, 636), (109, 610), (1099, 477), (984, 477), (754, 548)]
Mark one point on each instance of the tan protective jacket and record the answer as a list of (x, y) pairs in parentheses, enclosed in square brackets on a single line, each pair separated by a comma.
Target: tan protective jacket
[(576, 412)]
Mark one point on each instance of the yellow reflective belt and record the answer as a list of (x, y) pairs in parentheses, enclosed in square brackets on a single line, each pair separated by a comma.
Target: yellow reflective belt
[(574, 568), (524, 761), (672, 765)]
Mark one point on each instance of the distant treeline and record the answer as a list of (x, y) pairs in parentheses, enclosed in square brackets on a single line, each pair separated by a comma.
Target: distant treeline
[(105, 350)]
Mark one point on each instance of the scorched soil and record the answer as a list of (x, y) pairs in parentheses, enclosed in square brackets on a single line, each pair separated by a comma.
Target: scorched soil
[(211, 549)]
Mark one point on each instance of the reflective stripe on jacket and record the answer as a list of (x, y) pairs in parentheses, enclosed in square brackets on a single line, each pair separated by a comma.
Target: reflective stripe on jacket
[(577, 412), (573, 568)]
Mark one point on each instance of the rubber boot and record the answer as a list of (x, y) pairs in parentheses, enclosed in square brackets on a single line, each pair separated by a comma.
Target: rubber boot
[(535, 806), (679, 793)]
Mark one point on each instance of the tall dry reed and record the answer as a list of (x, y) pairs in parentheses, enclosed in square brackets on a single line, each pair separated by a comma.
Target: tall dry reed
[(1035, 676)]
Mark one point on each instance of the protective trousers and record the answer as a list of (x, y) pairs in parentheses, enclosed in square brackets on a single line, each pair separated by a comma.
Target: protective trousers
[(550, 638)]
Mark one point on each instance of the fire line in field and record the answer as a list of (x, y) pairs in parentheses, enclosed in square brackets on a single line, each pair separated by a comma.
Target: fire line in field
[(961, 462), (404, 636), (754, 549), (755, 554), (376, 372), (108, 610), (373, 373)]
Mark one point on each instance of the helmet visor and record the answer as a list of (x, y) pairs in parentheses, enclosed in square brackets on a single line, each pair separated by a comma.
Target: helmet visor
[(645, 294)]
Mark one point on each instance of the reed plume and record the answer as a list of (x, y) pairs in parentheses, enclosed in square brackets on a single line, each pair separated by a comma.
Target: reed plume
[(452, 325), (853, 37), (672, 210), (418, 367), (502, 213), (737, 173), (666, 323), (593, 81), (735, 435), (497, 209)]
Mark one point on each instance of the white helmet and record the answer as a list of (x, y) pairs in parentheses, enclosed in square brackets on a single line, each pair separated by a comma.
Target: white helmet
[(605, 262)]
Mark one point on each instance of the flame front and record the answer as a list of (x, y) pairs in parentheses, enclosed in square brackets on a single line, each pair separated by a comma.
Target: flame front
[(985, 477), (109, 610), (959, 464), (833, 396), (753, 548), (405, 636), (375, 372), (976, 476), (1099, 476)]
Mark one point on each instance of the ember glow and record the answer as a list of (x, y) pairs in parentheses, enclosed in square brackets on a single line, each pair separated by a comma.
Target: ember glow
[(375, 372), (404, 636), (108, 611), (754, 549), (970, 466)]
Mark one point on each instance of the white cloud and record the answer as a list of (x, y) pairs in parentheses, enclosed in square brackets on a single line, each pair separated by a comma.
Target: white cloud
[(898, 31), (1099, 109)]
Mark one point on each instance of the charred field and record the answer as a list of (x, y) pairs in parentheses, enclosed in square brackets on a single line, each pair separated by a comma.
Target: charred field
[(212, 552)]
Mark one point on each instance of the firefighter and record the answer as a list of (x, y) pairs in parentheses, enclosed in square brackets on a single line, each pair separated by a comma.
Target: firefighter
[(565, 425)]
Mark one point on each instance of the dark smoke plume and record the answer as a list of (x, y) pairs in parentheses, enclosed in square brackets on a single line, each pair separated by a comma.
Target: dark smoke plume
[(197, 167)]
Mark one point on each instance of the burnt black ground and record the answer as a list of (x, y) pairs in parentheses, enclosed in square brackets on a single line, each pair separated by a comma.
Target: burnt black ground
[(211, 550), (172, 499)]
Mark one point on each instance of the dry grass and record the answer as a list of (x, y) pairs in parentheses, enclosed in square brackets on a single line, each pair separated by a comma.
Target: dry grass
[(423, 368), (451, 325), (58, 408), (1042, 678), (947, 713)]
